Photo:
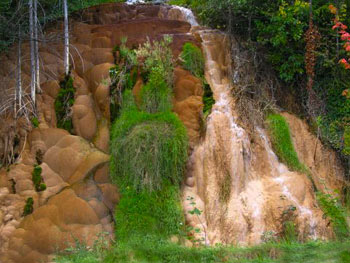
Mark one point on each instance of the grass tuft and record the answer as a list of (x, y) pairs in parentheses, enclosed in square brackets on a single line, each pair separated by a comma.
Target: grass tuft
[(193, 60), (147, 148), (156, 95), (282, 142)]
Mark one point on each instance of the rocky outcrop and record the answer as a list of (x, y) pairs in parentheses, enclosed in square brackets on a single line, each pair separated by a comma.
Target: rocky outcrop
[(188, 94), (326, 168), (79, 199), (73, 206)]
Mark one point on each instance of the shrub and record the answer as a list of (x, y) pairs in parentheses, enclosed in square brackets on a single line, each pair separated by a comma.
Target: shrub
[(158, 54), (147, 148), (282, 142), (64, 103), (193, 60), (333, 209), (156, 95), (38, 179)]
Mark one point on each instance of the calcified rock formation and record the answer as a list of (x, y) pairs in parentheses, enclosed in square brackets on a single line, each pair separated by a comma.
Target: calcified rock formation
[(79, 200), (233, 177), (244, 192)]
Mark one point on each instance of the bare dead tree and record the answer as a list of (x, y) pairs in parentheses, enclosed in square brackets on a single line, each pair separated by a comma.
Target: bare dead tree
[(36, 50), (32, 51), (66, 37), (18, 97)]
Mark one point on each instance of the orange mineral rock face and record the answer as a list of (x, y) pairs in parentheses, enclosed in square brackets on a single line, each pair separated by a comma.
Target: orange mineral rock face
[(233, 176), (79, 199)]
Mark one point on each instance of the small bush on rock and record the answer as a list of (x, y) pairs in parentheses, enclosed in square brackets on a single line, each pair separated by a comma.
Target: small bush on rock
[(158, 54), (38, 179)]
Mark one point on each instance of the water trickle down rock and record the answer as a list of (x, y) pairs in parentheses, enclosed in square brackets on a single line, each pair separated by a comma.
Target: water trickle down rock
[(240, 202)]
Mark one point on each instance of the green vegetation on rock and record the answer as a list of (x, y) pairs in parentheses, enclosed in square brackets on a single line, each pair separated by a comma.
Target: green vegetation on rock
[(28, 208), (147, 148), (156, 95), (35, 122), (333, 209), (63, 104), (193, 60), (282, 142), (38, 179)]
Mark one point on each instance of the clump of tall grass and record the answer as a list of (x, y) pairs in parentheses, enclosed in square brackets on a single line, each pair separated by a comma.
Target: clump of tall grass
[(282, 142), (147, 148)]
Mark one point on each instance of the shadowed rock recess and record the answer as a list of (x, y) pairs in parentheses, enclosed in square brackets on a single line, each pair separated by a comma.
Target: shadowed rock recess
[(233, 176)]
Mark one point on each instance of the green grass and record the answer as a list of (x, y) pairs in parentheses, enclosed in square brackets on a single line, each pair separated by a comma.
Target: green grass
[(193, 60), (282, 142), (142, 214), (147, 148), (336, 213), (156, 95), (167, 252)]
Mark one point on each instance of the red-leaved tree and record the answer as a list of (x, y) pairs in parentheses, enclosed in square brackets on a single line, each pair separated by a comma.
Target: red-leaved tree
[(345, 36)]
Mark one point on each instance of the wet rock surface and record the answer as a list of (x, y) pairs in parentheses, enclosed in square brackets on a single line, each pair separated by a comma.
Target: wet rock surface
[(237, 181)]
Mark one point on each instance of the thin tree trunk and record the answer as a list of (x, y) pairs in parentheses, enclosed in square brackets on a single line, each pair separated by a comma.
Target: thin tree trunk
[(32, 52), (66, 38), (37, 63), (19, 76)]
